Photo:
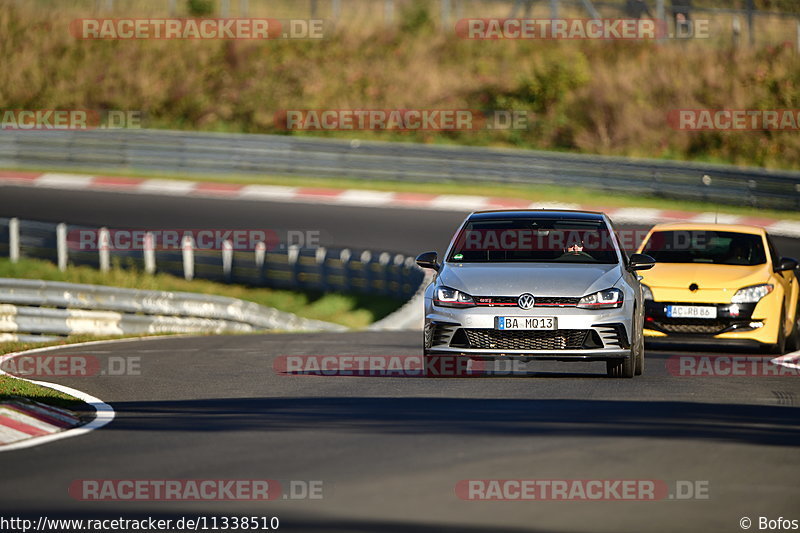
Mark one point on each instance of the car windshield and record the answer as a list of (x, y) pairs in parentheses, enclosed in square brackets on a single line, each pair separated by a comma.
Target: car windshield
[(534, 240), (715, 247)]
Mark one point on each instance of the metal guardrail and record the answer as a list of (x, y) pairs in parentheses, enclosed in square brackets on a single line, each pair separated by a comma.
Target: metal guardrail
[(308, 269), (36, 307), (241, 154)]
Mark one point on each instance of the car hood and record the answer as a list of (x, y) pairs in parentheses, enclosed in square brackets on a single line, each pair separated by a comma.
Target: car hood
[(706, 276), (539, 279)]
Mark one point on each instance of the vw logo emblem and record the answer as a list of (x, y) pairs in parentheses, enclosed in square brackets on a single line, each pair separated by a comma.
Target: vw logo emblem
[(526, 301)]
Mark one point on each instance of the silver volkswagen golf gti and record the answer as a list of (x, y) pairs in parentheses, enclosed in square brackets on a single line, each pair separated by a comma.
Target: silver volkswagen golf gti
[(535, 284)]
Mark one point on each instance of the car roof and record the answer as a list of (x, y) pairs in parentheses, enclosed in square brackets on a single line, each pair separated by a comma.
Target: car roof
[(565, 214), (689, 226)]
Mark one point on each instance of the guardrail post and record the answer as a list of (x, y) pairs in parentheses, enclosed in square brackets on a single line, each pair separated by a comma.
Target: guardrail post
[(291, 258), (149, 251), (172, 10), (320, 255), (397, 275), (344, 257), (13, 240), (384, 259), (366, 259), (224, 8), (103, 245), (244, 8), (61, 246), (337, 9), (227, 260), (187, 247)]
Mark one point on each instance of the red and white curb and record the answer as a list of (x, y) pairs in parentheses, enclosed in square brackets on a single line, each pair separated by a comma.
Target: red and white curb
[(22, 420), (366, 198), (28, 427)]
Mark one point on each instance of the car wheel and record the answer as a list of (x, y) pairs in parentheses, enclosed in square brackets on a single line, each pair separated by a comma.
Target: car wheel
[(793, 341), (639, 361), (780, 346), (621, 368)]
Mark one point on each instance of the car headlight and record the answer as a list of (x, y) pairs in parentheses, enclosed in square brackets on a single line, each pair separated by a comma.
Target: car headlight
[(752, 294), (607, 299), (647, 294), (447, 297)]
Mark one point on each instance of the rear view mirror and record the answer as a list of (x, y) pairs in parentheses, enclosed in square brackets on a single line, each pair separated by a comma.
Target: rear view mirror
[(640, 262), (429, 260), (786, 263)]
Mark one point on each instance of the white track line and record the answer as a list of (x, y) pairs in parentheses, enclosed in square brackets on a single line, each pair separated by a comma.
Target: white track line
[(790, 360), (104, 412)]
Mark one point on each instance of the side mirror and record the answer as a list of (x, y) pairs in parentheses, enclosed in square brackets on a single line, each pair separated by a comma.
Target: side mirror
[(786, 263), (640, 262), (429, 260)]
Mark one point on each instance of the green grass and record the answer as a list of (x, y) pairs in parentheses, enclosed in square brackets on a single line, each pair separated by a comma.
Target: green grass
[(12, 388), (351, 310), (534, 193)]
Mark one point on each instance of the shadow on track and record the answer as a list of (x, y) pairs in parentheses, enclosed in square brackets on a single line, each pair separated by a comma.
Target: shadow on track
[(754, 424)]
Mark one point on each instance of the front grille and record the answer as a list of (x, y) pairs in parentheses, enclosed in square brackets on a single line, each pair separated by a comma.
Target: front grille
[(540, 301), (690, 325), (559, 339)]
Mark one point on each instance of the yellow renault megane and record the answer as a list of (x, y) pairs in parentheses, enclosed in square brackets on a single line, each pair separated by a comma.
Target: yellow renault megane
[(717, 283)]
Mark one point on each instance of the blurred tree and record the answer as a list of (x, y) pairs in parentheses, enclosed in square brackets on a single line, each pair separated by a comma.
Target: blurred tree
[(201, 8)]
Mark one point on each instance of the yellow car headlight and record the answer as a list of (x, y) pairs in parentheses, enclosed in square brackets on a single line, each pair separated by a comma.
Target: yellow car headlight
[(752, 294)]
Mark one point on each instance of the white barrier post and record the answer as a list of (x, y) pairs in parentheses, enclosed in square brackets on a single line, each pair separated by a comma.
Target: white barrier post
[(13, 240), (260, 252), (149, 253), (103, 245), (187, 247), (227, 259), (61, 246)]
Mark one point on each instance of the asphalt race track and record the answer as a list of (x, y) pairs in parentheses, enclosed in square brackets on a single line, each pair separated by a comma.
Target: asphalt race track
[(389, 451)]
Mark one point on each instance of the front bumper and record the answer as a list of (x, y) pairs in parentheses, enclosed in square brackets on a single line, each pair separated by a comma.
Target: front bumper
[(581, 334), (736, 324)]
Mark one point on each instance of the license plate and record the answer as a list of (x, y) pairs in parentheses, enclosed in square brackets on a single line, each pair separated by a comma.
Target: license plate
[(691, 311), (525, 322)]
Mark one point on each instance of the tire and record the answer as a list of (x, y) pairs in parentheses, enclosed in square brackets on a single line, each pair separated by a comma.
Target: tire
[(638, 369), (779, 348), (621, 368), (793, 340)]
